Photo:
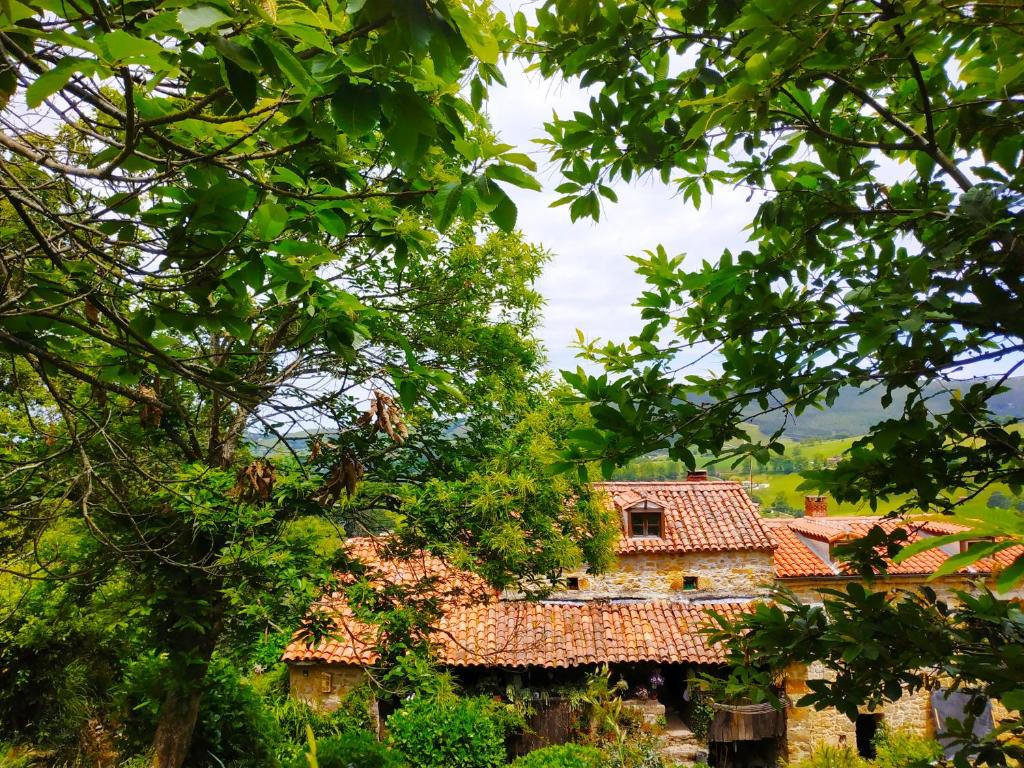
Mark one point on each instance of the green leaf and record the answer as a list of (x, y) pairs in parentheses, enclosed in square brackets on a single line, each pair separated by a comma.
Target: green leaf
[(119, 47), (513, 175), (445, 204), (270, 220), (243, 84), (201, 17), (54, 79), (355, 109), (143, 324), (519, 21), (504, 214), (1010, 576), (480, 41), (588, 437), (292, 68)]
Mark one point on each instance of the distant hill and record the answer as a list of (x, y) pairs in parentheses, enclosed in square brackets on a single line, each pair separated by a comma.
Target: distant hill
[(856, 410)]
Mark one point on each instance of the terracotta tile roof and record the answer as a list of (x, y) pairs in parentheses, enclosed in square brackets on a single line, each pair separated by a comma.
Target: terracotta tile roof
[(425, 576), (795, 557), (699, 516), (545, 634), (386, 563)]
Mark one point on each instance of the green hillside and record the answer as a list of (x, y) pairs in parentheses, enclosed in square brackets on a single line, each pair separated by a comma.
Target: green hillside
[(855, 410)]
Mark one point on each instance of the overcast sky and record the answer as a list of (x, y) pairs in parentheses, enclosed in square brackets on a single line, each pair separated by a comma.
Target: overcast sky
[(589, 283)]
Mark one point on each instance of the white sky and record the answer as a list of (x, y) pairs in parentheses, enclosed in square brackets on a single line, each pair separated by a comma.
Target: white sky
[(590, 284)]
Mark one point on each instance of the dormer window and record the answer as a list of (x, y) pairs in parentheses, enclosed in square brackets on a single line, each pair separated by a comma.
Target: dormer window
[(834, 545), (645, 520), (965, 545)]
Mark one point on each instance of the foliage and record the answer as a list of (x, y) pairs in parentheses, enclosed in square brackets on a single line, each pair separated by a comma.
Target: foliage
[(885, 248), (225, 225), (702, 713), (451, 732), (235, 725), (614, 727), (14, 756), (880, 645), (881, 141), (901, 749), (828, 756), (562, 756), (296, 719), (351, 749)]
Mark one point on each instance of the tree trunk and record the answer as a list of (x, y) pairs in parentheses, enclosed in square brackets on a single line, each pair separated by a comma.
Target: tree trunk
[(180, 708), (177, 720)]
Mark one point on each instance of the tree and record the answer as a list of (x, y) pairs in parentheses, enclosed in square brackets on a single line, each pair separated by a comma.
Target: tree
[(223, 222), (883, 141), (998, 500)]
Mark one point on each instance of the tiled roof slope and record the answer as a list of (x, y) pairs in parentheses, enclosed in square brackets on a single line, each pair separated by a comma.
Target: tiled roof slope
[(422, 574), (794, 558), (700, 516), (386, 562), (547, 634)]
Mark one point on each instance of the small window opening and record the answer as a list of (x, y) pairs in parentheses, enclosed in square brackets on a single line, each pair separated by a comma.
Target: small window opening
[(867, 728), (965, 545), (689, 583), (326, 684), (572, 582), (645, 523)]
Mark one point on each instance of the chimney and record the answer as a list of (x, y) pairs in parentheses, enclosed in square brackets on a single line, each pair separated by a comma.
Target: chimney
[(815, 506), (696, 475)]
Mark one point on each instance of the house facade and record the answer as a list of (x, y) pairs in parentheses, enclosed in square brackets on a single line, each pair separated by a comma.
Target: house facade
[(685, 548)]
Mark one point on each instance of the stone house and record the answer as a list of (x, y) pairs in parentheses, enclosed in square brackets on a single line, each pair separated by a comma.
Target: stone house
[(684, 548)]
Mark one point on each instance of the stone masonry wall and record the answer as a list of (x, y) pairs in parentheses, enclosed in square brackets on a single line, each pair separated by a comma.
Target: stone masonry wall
[(808, 589), (807, 728), (660, 576), (323, 685)]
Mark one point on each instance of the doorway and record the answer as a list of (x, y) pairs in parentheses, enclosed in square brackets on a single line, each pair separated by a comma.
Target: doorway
[(867, 728)]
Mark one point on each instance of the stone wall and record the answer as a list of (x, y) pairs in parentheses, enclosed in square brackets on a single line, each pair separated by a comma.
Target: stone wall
[(660, 576), (807, 728), (323, 685), (808, 589)]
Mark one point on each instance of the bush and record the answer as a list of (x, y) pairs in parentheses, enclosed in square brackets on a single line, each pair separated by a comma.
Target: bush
[(353, 714), (451, 732), (825, 756), (563, 756), (353, 749), (235, 725), (902, 749), (19, 757)]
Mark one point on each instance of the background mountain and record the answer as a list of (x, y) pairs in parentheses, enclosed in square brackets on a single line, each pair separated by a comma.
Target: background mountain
[(856, 410)]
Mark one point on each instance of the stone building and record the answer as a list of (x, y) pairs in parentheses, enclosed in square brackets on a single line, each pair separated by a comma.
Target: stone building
[(684, 548)]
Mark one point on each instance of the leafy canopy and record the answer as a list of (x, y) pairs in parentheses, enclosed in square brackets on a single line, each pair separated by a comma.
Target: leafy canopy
[(258, 262), (882, 140)]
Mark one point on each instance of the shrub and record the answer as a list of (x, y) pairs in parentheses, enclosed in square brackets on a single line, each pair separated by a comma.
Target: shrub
[(902, 749), (826, 756), (563, 756), (451, 732), (352, 749), (235, 725), (353, 714), (19, 756)]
